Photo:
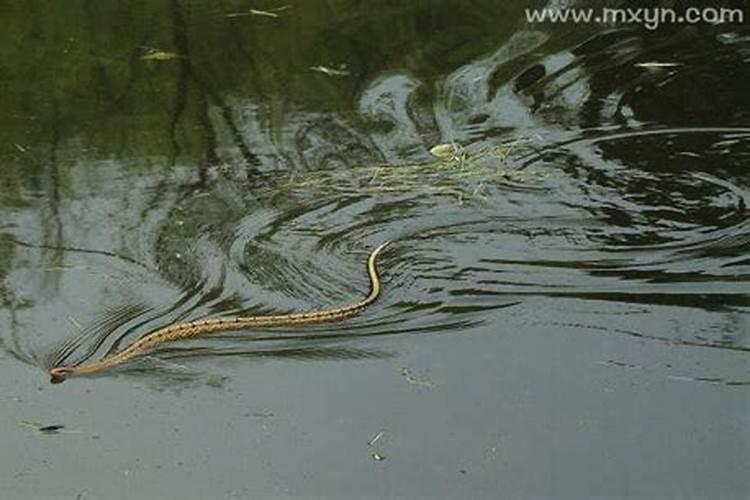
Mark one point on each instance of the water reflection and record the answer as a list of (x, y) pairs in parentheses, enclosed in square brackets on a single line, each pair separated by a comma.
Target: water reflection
[(612, 212)]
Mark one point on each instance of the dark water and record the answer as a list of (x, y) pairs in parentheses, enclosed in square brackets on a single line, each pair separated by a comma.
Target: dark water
[(565, 305)]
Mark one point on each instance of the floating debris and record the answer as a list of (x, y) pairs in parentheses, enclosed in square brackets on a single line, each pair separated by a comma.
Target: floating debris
[(621, 364), (158, 55), (51, 429), (422, 380), (444, 151), (44, 429), (267, 13), (709, 380), (656, 64), (341, 71), (274, 13), (375, 438), (465, 172), (375, 454)]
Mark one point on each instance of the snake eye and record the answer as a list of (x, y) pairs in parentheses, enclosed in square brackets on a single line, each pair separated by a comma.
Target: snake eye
[(59, 374)]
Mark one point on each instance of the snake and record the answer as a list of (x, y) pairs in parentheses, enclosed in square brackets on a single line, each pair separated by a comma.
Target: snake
[(191, 329)]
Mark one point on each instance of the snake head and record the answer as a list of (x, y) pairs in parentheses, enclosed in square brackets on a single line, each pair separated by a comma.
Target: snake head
[(59, 374)]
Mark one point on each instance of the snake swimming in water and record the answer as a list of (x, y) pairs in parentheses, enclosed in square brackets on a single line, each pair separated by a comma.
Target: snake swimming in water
[(181, 331)]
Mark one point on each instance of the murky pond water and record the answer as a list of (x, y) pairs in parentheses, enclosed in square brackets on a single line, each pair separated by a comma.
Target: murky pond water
[(565, 299)]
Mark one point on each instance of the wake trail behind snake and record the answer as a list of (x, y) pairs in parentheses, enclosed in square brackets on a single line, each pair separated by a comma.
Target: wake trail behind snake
[(191, 329)]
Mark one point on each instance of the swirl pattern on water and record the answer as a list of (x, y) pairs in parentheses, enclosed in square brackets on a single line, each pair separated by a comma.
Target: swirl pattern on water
[(603, 219)]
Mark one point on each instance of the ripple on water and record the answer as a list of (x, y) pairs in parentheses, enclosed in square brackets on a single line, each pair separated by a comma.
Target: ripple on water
[(611, 215)]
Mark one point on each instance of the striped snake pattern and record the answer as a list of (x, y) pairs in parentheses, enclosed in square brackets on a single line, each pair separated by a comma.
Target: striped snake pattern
[(181, 331)]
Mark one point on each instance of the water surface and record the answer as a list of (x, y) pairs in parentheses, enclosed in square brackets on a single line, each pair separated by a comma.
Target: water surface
[(565, 306)]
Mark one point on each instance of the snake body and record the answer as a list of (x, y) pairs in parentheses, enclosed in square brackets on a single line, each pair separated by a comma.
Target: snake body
[(202, 327)]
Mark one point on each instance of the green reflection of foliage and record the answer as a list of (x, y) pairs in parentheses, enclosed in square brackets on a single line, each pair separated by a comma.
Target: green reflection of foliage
[(11, 189), (6, 256), (144, 79), (9, 298)]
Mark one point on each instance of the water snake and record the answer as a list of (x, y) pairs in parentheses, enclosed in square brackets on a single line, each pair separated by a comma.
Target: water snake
[(190, 329)]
